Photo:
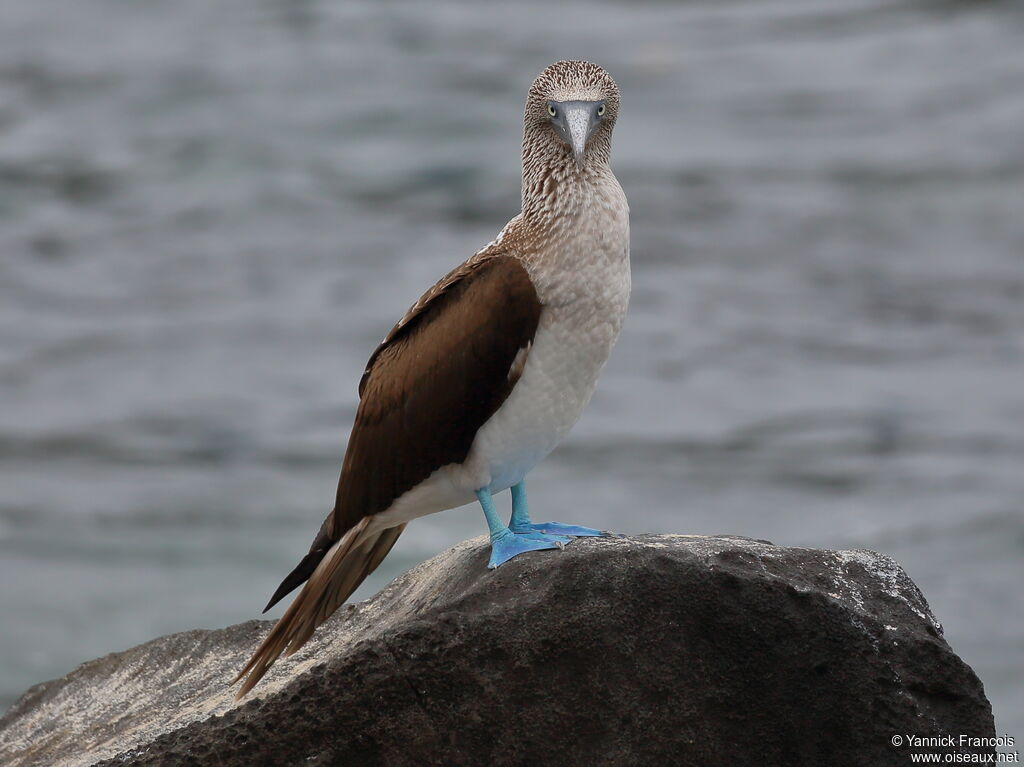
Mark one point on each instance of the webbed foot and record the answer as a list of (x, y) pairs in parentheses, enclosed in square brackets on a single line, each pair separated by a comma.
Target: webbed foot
[(506, 545), (555, 528)]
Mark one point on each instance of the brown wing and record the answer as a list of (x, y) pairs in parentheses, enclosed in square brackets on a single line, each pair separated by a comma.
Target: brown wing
[(433, 382), (438, 289), (450, 354)]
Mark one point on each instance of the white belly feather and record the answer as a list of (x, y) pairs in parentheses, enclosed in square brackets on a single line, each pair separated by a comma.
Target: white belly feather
[(569, 350), (584, 292)]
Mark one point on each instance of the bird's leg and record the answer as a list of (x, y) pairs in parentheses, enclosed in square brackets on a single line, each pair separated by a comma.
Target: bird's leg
[(504, 543), (521, 525), (520, 522)]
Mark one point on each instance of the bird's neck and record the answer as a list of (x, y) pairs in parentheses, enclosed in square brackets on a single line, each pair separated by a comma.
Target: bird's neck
[(572, 216), (554, 185)]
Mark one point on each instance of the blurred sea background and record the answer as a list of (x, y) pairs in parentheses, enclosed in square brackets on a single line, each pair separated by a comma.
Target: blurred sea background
[(211, 212)]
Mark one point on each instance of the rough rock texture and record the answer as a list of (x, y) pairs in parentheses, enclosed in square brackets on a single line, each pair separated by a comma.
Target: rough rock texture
[(648, 650)]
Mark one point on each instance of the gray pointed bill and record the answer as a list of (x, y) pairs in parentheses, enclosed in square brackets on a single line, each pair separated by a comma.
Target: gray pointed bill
[(576, 122)]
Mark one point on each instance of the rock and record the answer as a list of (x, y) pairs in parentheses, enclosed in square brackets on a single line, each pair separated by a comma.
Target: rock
[(664, 649)]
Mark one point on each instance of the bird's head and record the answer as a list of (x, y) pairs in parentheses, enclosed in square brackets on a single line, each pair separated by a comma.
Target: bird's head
[(571, 109)]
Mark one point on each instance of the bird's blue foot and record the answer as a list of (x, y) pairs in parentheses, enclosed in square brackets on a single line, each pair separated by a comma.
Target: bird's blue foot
[(504, 543), (521, 524), (554, 528), (541, 535), (507, 544)]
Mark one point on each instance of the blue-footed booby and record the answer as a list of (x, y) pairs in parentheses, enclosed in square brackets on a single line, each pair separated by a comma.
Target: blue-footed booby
[(489, 369)]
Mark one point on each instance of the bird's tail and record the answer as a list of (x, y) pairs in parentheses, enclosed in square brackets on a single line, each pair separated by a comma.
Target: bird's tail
[(339, 573)]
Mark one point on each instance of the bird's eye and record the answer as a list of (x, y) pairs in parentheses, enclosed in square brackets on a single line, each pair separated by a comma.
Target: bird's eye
[(600, 111), (552, 111)]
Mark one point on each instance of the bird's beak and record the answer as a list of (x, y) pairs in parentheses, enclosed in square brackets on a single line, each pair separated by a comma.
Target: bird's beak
[(575, 122)]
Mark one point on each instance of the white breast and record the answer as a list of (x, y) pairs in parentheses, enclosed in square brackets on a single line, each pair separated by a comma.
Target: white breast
[(583, 283)]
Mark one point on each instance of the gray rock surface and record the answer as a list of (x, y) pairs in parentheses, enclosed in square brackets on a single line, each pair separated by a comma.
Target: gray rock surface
[(647, 650)]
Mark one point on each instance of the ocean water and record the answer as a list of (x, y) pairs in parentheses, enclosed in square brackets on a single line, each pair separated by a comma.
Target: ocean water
[(211, 212)]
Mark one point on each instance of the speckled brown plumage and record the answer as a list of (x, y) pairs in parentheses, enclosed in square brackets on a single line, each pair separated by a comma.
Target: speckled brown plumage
[(445, 371), (429, 386)]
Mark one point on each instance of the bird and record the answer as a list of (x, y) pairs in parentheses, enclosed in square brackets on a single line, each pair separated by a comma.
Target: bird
[(487, 372)]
